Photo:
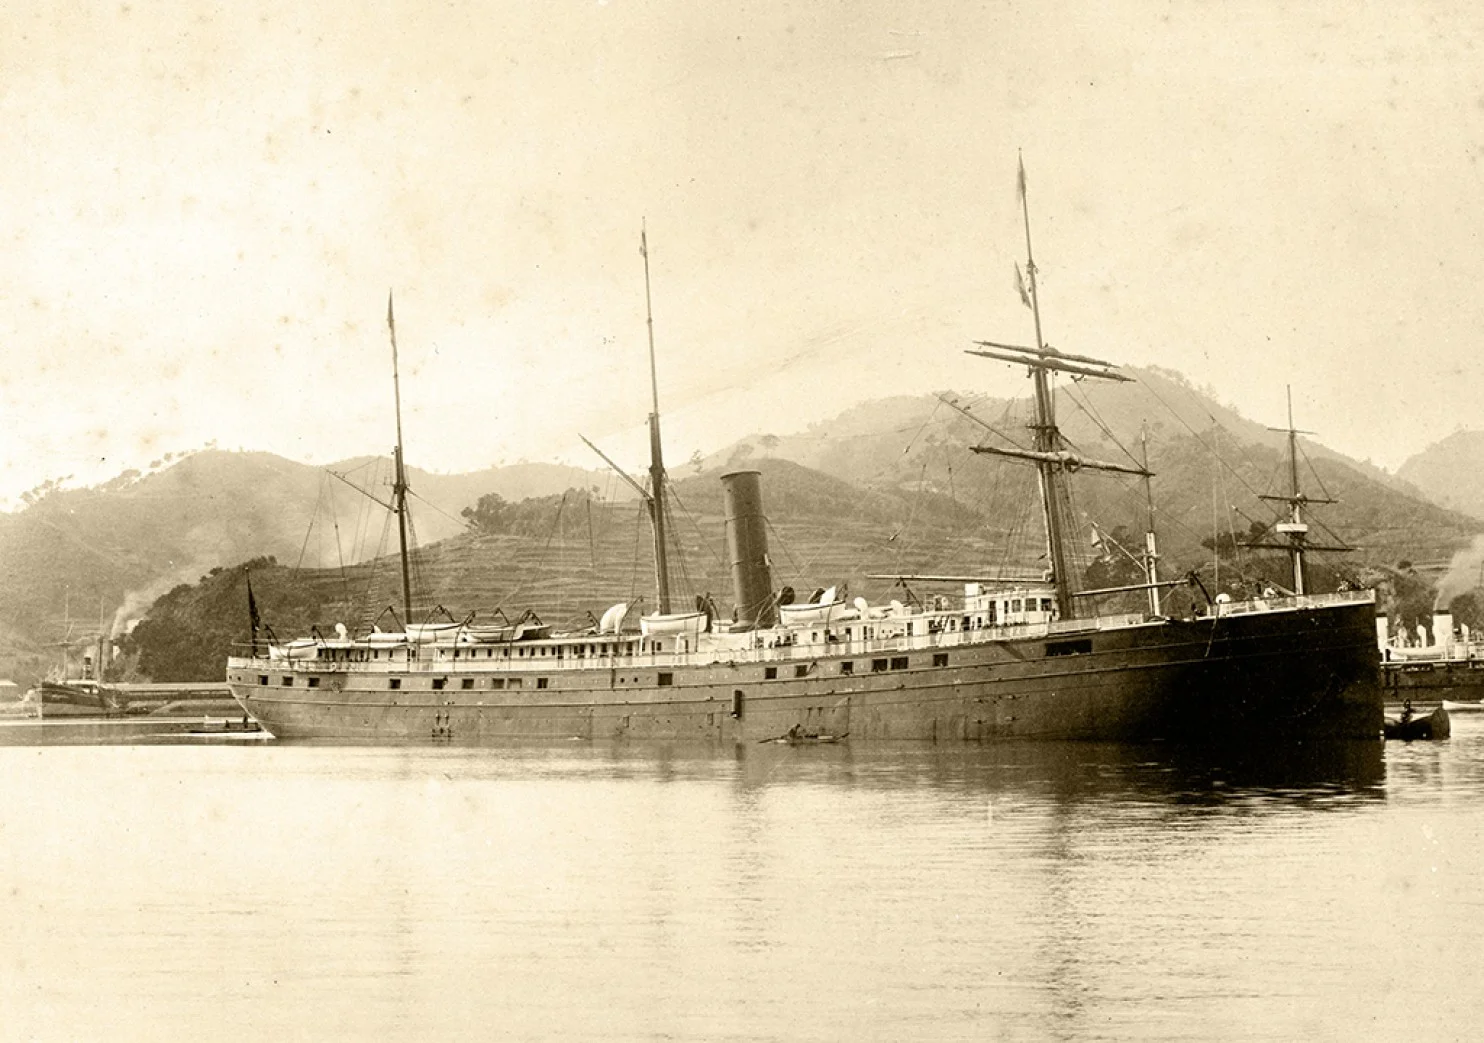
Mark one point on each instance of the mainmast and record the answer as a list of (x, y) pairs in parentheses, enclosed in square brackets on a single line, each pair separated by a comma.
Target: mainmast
[(399, 479), (656, 455), (1050, 455)]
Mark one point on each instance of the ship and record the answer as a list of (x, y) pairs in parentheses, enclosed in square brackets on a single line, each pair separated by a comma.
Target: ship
[(1450, 666), (75, 688), (1025, 658)]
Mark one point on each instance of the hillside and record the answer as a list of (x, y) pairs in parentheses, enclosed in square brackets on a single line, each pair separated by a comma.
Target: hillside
[(568, 557), (1450, 472), (92, 557), (580, 556), (886, 487)]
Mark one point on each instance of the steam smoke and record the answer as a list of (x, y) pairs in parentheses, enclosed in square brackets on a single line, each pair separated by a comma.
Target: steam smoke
[(1462, 575), (136, 601)]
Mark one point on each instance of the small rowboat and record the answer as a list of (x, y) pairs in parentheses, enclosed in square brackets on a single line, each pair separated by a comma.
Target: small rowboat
[(1435, 725)]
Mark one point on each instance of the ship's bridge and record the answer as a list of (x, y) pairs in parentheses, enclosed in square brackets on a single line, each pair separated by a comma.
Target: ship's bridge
[(1008, 607)]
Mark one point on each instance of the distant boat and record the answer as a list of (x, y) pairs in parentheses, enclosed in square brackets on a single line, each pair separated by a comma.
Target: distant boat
[(1435, 725), (1451, 667), (1009, 660), (75, 697)]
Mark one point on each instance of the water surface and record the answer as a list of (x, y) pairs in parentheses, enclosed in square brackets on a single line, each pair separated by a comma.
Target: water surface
[(634, 892)]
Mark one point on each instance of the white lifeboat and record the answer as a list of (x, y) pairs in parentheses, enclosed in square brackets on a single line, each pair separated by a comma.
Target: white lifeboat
[(690, 623), (826, 607)]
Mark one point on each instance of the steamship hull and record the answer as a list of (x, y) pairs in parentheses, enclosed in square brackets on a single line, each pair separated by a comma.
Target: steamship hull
[(1303, 669)]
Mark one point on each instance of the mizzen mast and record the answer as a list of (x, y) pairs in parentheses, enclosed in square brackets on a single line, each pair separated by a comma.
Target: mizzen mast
[(399, 479), (1294, 531), (656, 454)]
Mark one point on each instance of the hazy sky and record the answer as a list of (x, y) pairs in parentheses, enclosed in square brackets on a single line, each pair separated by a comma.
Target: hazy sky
[(204, 206)]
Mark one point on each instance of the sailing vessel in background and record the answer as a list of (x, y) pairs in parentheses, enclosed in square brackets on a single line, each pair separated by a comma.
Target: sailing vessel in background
[(1022, 659)]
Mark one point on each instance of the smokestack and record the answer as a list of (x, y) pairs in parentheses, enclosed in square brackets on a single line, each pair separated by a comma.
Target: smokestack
[(1442, 632), (747, 543)]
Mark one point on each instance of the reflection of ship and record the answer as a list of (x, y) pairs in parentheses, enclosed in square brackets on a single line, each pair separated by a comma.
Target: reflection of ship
[(1450, 666), (1019, 660)]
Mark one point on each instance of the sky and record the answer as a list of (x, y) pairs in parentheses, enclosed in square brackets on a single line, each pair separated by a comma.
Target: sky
[(205, 206)]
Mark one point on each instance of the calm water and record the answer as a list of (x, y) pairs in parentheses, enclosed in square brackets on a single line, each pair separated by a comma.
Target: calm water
[(808, 893)]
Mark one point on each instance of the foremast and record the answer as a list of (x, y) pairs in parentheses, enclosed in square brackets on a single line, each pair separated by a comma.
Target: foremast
[(399, 475), (656, 453), (1049, 451)]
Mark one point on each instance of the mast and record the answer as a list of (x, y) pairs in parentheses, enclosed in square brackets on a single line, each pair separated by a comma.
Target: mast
[(1295, 530), (1049, 454), (399, 479), (1047, 439), (656, 455), (1151, 552)]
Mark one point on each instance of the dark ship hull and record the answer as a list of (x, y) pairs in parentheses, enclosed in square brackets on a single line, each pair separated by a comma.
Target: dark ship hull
[(1303, 670), (1461, 680), (60, 699)]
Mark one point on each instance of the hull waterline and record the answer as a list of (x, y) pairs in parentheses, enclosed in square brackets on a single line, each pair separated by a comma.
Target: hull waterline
[(1305, 672)]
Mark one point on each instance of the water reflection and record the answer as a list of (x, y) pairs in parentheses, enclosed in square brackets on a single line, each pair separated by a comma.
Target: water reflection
[(621, 892)]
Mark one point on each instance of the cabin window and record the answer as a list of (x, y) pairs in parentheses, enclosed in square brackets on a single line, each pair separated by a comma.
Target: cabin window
[(802, 670), (899, 662), (287, 682), (466, 683), (394, 683), (497, 683), (847, 668), (940, 658), (541, 682), (1078, 647), (770, 673), (1015, 605), (262, 679), (665, 679), (878, 666), (314, 682), (1045, 604), (516, 682), (438, 683)]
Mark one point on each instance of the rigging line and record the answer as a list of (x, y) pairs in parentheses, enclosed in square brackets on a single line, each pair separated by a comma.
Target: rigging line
[(1196, 434), (458, 521), (918, 433), (1086, 406), (304, 547), (633, 597), (965, 411), (1313, 470), (776, 539), (373, 568), (700, 536), (329, 490)]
